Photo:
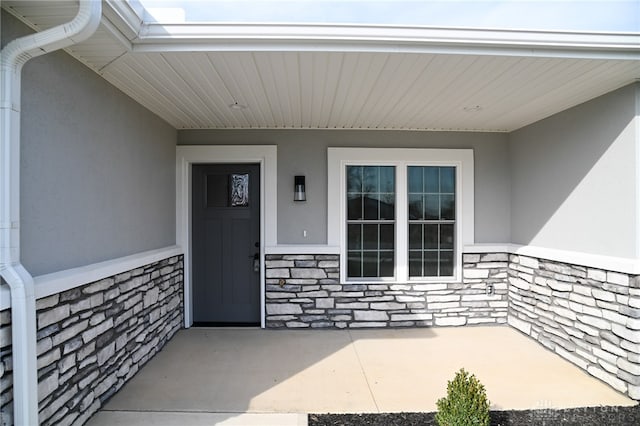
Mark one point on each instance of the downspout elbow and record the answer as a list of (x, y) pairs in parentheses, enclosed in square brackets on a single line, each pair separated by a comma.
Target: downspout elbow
[(82, 26)]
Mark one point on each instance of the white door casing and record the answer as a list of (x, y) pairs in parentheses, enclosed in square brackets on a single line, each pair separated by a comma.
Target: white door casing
[(186, 156)]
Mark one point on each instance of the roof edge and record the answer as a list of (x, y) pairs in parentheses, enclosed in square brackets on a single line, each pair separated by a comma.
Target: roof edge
[(127, 18), (172, 37)]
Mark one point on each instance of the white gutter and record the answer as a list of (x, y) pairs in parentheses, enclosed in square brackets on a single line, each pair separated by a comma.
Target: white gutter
[(193, 31), (23, 312), (173, 37)]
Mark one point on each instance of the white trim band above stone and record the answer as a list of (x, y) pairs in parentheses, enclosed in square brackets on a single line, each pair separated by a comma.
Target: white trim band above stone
[(302, 249), (618, 264), (57, 282)]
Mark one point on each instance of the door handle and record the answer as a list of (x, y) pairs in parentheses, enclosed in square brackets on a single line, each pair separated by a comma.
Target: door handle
[(256, 262)]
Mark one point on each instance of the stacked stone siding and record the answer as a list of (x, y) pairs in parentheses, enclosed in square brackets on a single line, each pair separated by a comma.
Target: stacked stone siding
[(94, 338), (304, 291), (590, 317)]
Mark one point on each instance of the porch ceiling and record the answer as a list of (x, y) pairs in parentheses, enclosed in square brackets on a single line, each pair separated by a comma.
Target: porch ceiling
[(422, 80)]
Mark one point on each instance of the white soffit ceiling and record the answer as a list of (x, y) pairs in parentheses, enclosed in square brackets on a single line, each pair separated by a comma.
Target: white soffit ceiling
[(344, 77)]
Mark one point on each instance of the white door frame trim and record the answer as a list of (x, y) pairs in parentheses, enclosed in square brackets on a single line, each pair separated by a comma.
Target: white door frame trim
[(186, 156)]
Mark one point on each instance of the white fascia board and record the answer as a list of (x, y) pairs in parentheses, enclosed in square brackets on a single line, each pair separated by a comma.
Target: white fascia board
[(199, 36), (344, 46), (127, 17)]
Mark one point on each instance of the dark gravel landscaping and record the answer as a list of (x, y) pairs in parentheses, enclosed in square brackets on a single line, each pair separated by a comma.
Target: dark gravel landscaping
[(588, 416)]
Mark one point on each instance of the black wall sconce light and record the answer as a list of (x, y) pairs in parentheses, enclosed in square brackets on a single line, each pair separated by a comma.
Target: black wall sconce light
[(299, 193)]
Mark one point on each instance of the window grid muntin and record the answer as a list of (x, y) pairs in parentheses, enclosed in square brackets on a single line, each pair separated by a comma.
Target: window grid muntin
[(447, 270), (384, 257)]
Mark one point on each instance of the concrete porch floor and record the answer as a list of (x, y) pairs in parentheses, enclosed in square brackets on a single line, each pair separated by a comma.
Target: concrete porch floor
[(211, 376)]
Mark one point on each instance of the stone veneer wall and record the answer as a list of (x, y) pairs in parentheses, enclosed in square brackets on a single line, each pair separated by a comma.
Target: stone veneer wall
[(94, 338), (589, 316), (304, 291)]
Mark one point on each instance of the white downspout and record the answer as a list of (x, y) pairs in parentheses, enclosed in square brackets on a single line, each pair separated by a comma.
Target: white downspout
[(23, 312)]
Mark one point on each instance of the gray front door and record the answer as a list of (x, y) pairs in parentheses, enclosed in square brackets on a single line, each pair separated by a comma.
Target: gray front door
[(226, 244)]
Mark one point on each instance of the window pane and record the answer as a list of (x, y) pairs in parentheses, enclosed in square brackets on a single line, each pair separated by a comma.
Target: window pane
[(431, 237), (431, 179), (415, 263), (370, 237), (446, 236), (354, 264), (354, 237), (370, 264), (432, 207), (430, 263), (370, 180), (354, 179), (414, 179), (415, 207), (387, 237), (387, 263), (370, 207), (448, 179), (446, 263), (415, 237), (387, 179), (448, 207), (354, 207), (387, 207)]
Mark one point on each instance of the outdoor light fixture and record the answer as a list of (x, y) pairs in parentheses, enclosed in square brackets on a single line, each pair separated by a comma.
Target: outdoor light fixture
[(299, 193)]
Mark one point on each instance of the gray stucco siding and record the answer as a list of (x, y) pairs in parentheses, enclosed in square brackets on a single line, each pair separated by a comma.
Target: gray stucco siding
[(97, 168), (305, 152), (574, 178)]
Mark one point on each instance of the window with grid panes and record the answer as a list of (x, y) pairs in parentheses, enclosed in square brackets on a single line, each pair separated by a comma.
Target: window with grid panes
[(371, 224), (432, 216), (400, 214), (371, 221)]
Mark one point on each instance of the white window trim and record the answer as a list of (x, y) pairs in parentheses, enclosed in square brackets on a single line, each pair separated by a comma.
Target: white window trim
[(339, 158), (186, 156)]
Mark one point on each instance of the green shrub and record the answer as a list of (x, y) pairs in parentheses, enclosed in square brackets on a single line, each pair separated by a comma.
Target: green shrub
[(466, 402)]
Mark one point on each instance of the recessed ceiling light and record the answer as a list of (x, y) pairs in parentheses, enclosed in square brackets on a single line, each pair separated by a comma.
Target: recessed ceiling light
[(237, 106), (472, 108)]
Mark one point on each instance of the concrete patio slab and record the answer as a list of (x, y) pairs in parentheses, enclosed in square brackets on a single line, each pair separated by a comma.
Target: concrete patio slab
[(410, 371), (319, 371)]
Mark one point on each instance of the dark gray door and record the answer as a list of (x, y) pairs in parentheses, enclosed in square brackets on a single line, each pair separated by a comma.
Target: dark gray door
[(226, 244)]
